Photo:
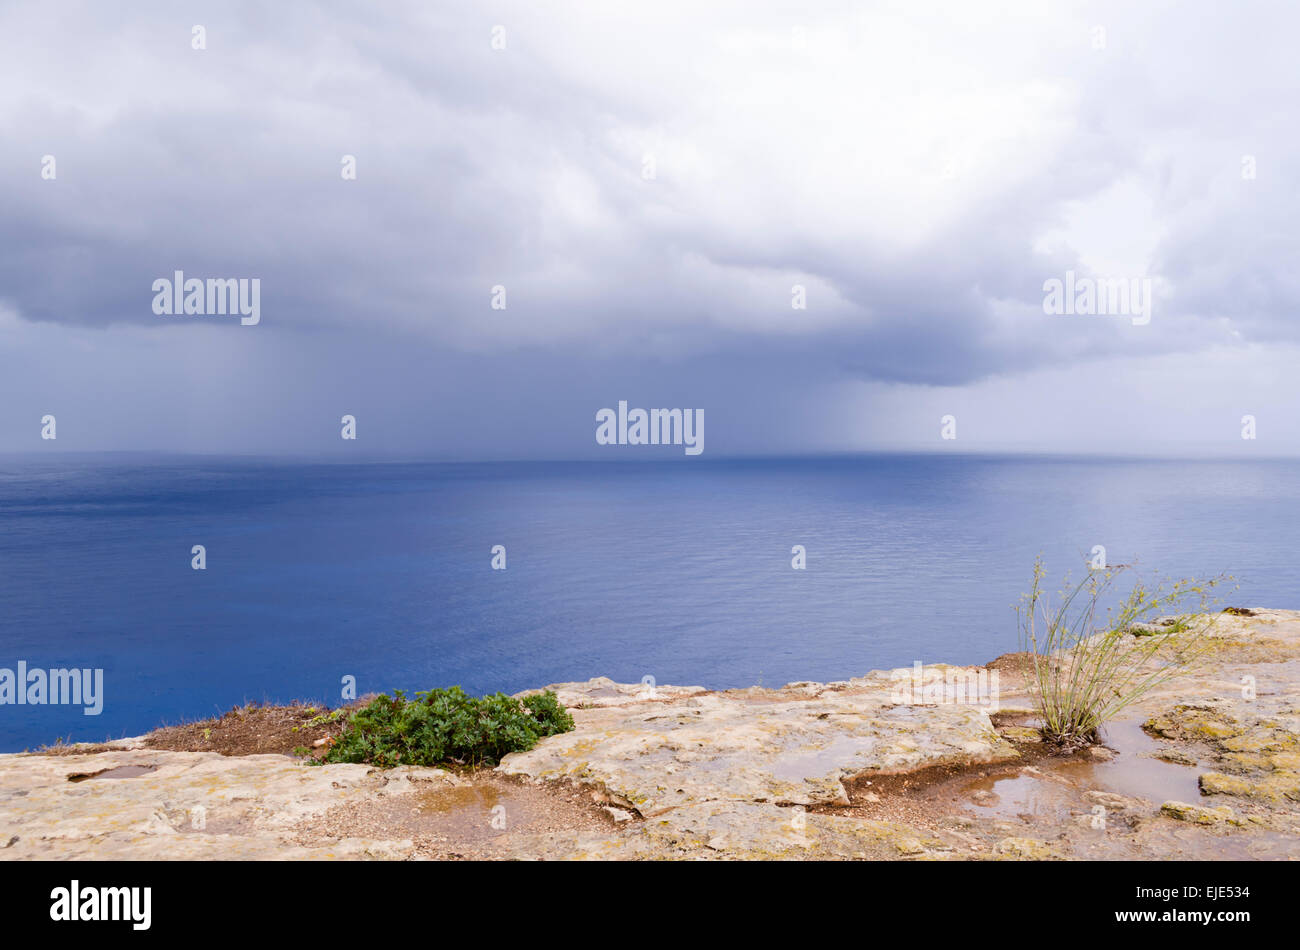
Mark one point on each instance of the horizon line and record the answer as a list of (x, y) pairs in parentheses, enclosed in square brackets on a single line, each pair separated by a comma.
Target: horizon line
[(623, 456)]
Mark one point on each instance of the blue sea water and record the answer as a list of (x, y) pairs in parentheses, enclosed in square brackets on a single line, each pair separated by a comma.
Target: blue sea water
[(680, 570)]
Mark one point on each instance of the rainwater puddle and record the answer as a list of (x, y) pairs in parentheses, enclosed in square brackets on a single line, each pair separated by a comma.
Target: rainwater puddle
[(1053, 789), (470, 813)]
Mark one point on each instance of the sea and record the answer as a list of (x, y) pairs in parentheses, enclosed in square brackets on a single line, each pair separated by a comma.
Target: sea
[(319, 577)]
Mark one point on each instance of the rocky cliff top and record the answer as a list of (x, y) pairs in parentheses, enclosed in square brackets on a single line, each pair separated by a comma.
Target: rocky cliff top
[(930, 762)]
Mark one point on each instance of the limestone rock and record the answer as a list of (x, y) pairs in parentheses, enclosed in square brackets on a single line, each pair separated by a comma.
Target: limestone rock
[(1255, 744), (751, 830), (186, 804), (789, 746), (1025, 849), (601, 691), (1176, 757), (1021, 734), (1197, 814)]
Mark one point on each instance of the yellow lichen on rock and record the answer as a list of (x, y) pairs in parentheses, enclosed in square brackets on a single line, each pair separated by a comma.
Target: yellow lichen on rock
[(1198, 814)]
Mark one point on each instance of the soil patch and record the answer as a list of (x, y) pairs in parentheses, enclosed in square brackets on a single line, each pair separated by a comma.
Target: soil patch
[(478, 820), (254, 730)]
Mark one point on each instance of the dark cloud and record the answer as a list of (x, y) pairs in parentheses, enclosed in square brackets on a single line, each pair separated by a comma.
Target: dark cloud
[(920, 170)]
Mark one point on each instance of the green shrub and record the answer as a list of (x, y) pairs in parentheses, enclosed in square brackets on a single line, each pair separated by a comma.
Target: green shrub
[(447, 725)]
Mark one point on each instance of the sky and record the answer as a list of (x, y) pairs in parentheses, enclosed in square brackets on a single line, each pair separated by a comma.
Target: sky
[(655, 187)]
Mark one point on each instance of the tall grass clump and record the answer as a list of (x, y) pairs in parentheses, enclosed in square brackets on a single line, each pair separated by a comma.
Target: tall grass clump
[(1091, 660)]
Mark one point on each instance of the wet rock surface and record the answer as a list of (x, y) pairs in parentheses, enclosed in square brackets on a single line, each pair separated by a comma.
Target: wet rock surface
[(1254, 745), (1207, 766), (788, 746)]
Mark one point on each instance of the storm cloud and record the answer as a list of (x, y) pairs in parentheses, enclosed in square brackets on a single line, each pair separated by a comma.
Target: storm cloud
[(650, 184)]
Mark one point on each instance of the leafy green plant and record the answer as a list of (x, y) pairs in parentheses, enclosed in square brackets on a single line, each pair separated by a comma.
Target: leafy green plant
[(333, 715), (447, 725), (1089, 666)]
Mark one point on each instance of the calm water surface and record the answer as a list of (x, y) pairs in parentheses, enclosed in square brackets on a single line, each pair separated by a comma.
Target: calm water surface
[(679, 570)]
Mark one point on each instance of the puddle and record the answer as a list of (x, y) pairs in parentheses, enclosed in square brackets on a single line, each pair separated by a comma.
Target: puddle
[(467, 814), (820, 762), (122, 771), (446, 801), (1058, 788), (1015, 795), (1140, 776)]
